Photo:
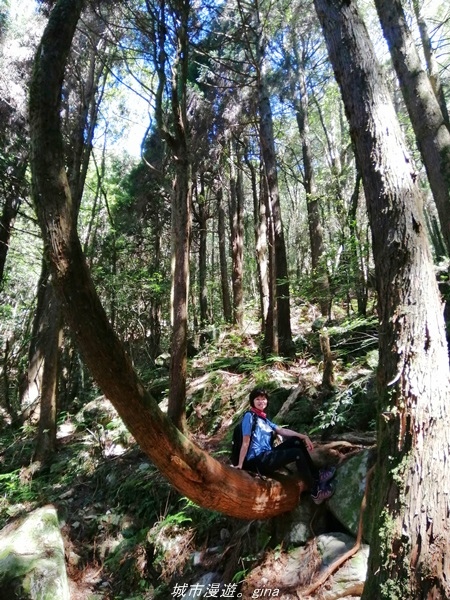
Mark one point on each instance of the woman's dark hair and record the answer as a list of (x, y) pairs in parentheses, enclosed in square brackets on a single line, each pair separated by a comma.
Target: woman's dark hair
[(257, 392)]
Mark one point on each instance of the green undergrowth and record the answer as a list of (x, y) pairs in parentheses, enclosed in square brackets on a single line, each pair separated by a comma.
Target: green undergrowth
[(121, 516)]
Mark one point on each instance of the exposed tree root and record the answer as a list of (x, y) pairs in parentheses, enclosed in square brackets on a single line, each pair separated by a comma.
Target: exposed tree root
[(303, 593)]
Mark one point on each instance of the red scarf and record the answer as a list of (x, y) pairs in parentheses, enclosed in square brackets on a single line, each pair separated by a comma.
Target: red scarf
[(258, 412)]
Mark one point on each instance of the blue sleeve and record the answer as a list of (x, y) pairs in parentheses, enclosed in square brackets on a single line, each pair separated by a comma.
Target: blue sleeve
[(247, 423), (271, 424)]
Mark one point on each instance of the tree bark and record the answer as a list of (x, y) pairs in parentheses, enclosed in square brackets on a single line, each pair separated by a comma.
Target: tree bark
[(9, 214), (181, 227), (271, 338), (432, 134), (201, 215), (50, 338), (410, 548), (224, 285), (45, 347), (359, 257), (430, 59), (237, 237), (260, 229), (181, 221), (281, 270), (190, 470)]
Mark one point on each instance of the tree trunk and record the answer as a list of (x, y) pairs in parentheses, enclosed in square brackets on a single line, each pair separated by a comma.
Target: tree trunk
[(301, 107), (50, 341), (410, 548), (181, 226), (271, 339), (10, 210), (237, 238), (432, 135), (281, 269), (261, 254), (190, 470), (431, 61), (359, 258), (201, 215), (181, 221), (224, 285)]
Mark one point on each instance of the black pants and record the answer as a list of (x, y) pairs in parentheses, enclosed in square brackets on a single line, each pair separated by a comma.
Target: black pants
[(292, 450)]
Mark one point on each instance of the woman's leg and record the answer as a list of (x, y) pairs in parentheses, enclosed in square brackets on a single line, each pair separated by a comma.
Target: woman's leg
[(292, 450)]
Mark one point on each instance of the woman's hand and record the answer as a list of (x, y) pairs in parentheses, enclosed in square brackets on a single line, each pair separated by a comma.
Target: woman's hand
[(308, 443)]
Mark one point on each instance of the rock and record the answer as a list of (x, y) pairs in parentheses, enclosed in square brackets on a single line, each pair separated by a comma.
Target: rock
[(99, 411), (345, 504), (282, 571), (350, 578), (298, 524), (290, 572), (32, 563), (333, 545)]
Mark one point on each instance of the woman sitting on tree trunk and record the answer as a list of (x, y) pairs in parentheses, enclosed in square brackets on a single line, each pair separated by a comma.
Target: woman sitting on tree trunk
[(259, 455)]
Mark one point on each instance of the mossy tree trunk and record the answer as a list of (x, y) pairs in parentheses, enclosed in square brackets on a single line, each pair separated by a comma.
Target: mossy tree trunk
[(190, 470), (410, 552)]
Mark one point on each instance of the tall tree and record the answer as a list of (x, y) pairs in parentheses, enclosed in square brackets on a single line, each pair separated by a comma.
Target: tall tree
[(410, 549), (281, 335), (431, 59), (260, 228), (14, 144), (181, 214), (221, 228), (300, 44), (237, 234), (428, 121)]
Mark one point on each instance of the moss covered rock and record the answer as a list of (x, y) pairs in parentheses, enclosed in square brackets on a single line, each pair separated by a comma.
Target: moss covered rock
[(345, 505), (32, 565)]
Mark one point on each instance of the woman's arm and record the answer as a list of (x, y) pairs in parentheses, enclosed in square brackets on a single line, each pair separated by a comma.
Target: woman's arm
[(291, 433), (244, 450)]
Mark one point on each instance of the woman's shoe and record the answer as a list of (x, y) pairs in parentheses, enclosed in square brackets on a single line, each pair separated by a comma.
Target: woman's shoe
[(324, 491), (326, 474)]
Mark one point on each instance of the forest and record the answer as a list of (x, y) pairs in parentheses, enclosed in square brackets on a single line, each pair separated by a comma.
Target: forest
[(236, 191)]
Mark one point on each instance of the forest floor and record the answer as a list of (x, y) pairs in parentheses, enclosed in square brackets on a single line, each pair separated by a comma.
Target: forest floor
[(112, 501)]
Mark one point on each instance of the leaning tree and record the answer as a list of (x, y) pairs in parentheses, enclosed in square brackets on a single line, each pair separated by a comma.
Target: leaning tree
[(410, 549), (189, 469)]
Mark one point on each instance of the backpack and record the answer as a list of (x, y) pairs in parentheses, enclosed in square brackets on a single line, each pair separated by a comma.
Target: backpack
[(237, 438)]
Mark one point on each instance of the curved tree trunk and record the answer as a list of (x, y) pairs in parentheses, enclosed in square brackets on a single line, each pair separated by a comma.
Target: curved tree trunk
[(410, 549), (45, 349), (189, 469)]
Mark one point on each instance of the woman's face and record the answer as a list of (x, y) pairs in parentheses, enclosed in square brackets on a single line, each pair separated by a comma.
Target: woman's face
[(260, 402)]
